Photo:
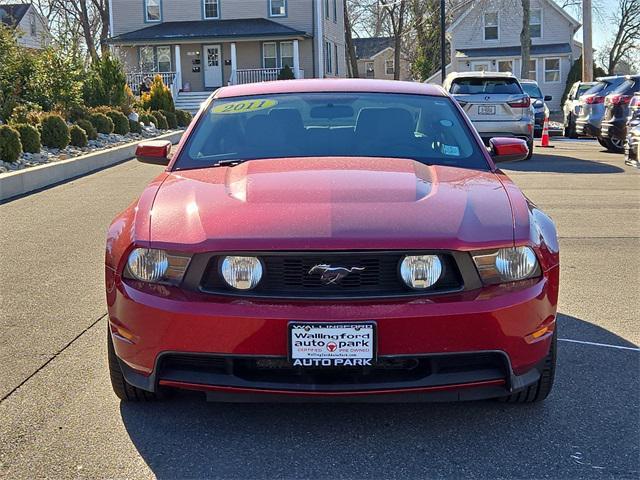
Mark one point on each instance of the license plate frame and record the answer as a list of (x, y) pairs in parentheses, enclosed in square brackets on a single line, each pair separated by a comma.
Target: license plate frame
[(486, 109), (345, 356)]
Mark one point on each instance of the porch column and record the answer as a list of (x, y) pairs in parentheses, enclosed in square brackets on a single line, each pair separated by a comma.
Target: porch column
[(178, 80), (296, 59), (234, 64)]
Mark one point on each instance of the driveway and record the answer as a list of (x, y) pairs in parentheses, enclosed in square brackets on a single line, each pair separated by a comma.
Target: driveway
[(59, 418)]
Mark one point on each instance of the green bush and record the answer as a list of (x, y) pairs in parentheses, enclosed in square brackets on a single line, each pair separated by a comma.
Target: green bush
[(161, 121), (10, 146), (55, 132), (90, 130), (29, 137), (77, 112), (159, 98), (172, 120), (105, 83), (147, 119), (102, 123), (26, 113), (286, 73), (78, 137), (120, 122), (135, 127), (184, 118)]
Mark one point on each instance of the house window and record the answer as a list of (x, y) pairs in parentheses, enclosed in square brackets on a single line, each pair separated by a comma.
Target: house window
[(533, 69), (155, 59), (326, 8), (335, 10), (328, 57), (211, 9), (552, 70), (32, 24), (269, 55), (152, 10), (147, 59), (505, 65), (335, 48), (535, 23), (277, 8), (389, 67), (491, 26), (286, 54), (163, 54), (370, 69)]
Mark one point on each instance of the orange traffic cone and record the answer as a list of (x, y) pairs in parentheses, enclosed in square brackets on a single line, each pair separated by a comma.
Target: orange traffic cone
[(545, 134)]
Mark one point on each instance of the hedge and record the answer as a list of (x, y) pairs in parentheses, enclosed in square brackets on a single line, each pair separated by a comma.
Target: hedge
[(10, 145), (90, 130), (29, 137), (102, 123), (78, 137), (55, 132)]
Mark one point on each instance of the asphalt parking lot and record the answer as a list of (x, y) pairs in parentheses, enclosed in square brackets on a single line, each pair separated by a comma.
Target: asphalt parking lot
[(59, 418)]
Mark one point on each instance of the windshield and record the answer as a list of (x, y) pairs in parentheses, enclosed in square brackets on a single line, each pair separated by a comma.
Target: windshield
[(532, 90), (582, 89), (423, 128), (624, 86), (484, 85)]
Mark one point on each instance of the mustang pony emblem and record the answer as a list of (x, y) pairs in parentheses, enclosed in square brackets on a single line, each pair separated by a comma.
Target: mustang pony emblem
[(330, 275)]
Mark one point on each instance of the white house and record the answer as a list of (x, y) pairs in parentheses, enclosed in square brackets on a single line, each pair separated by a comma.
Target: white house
[(32, 28), (486, 37), (376, 59)]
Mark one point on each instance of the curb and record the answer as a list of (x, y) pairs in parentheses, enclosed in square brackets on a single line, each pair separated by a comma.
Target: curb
[(22, 182)]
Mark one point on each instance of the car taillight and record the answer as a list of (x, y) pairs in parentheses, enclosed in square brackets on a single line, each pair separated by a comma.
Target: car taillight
[(635, 101), (522, 103), (618, 99), (593, 100)]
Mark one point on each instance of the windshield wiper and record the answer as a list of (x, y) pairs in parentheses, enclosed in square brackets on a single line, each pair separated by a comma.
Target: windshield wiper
[(230, 162)]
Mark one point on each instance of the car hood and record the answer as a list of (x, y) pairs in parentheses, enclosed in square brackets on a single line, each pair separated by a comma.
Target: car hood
[(331, 203)]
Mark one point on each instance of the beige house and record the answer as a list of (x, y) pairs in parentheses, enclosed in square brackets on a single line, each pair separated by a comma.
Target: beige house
[(201, 45), (376, 59), (486, 37), (32, 28)]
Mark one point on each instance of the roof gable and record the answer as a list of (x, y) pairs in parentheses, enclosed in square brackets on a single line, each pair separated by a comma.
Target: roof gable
[(12, 14), (370, 47), (550, 3)]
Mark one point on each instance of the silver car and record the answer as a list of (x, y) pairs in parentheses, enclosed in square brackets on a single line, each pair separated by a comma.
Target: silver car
[(592, 106), (495, 103), (571, 107)]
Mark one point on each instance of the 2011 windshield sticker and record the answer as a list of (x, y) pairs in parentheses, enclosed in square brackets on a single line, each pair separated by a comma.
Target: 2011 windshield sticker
[(244, 106)]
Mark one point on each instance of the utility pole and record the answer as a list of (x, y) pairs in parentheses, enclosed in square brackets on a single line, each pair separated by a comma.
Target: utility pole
[(587, 42), (443, 41)]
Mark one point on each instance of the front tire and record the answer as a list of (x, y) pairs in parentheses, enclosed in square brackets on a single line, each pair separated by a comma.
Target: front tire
[(570, 128), (542, 388), (123, 390), (530, 145)]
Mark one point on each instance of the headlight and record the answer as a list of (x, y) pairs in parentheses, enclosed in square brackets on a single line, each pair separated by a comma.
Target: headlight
[(156, 266), (421, 271), (241, 273), (507, 265)]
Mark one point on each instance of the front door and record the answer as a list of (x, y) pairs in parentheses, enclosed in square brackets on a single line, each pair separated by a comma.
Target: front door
[(212, 66)]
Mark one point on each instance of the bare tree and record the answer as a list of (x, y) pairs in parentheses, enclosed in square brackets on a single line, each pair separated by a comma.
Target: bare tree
[(394, 13), (625, 45), (352, 58)]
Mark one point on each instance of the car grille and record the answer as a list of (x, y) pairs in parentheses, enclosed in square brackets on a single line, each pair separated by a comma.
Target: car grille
[(286, 275)]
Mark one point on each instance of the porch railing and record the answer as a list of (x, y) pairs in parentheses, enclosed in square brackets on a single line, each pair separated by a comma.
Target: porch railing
[(254, 75), (134, 79)]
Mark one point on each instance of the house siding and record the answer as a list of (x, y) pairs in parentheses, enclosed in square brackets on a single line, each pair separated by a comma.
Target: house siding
[(334, 33), (128, 15), (41, 39)]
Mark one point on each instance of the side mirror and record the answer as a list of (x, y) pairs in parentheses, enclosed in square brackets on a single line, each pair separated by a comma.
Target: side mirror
[(506, 149), (548, 98), (155, 152)]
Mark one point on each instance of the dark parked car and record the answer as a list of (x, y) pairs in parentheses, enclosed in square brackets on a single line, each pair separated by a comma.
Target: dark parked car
[(538, 100), (592, 107), (632, 150), (614, 124)]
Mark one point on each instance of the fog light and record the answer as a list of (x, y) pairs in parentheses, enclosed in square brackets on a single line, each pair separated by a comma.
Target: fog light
[(241, 273), (421, 271)]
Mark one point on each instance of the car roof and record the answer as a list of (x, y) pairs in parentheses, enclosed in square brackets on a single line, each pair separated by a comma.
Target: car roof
[(349, 85), (480, 75), (526, 80)]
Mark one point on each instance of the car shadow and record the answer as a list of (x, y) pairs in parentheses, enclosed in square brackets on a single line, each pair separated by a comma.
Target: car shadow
[(588, 427), (549, 163)]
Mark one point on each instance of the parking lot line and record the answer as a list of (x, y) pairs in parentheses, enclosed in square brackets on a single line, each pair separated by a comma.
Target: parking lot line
[(599, 344)]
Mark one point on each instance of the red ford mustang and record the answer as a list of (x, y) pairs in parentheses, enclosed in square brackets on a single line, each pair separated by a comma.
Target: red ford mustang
[(333, 240)]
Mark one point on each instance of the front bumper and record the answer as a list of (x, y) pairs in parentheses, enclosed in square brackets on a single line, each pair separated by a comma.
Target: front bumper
[(614, 129), (586, 128), (151, 325)]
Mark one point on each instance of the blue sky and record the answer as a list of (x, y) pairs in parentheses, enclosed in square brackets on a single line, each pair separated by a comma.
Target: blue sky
[(602, 30)]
